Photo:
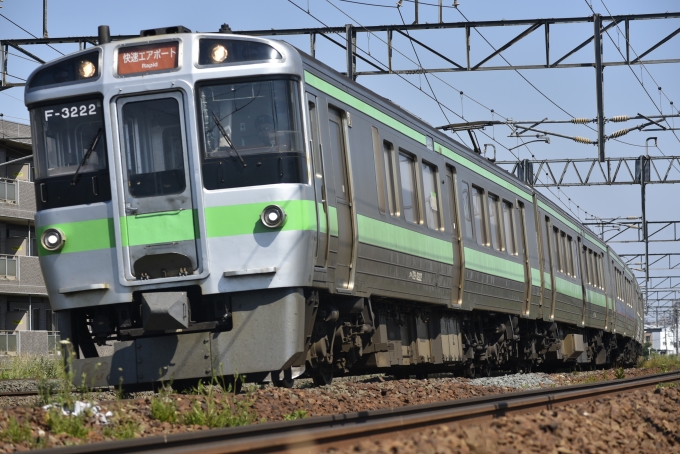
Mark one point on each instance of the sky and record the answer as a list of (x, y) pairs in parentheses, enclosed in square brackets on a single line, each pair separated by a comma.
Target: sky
[(526, 95)]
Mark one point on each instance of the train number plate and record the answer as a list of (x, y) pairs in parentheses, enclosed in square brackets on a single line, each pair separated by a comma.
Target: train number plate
[(147, 58)]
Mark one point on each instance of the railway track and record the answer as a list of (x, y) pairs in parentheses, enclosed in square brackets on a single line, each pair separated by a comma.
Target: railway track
[(324, 432)]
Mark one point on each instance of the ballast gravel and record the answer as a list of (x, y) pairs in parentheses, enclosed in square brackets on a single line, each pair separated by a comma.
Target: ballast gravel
[(518, 381)]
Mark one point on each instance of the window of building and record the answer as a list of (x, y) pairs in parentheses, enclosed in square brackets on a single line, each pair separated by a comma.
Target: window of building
[(509, 228), (379, 176), (409, 195), (388, 162), (494, 223), (478, 213), (430, 187), (467, 212)]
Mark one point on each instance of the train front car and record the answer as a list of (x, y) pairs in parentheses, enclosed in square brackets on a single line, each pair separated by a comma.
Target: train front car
[(175, 213)]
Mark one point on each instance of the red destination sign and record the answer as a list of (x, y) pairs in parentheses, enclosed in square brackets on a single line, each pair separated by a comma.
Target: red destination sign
[(147, 58)]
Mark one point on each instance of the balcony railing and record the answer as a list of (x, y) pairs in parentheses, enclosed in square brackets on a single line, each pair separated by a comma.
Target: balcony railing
[(8, 191), (9, 267)]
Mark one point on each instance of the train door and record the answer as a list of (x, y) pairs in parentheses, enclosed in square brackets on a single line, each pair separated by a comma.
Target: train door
[(323, 232), (343, 200), (523, 243), (159, 228), (457, 240), (551, 247), (582, 266)]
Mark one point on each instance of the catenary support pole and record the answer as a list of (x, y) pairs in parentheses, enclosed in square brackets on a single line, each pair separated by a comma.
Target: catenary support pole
[(599, 84), (45, 19)]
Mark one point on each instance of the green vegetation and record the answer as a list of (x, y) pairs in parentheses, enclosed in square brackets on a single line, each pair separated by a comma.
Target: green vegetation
[(163, 407), (619, 373), (297, 414), (16, 432), (121, 430), (672, 384), (31, 367), (666, 363), (75, 426)]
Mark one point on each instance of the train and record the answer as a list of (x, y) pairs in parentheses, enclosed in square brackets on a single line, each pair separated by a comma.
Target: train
[(214, 204)]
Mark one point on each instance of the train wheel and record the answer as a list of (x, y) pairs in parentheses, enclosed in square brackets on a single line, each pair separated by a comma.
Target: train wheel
[(323, 377), (469, 371), (286, 382)]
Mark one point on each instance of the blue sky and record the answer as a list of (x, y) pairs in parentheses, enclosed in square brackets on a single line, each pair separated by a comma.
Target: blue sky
[(573, 90)]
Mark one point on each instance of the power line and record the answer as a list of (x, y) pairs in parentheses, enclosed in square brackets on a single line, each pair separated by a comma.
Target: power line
[(22, 28), (430, 96)]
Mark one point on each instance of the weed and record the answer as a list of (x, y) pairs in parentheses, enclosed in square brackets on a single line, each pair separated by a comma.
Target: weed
[(122, 430), (672, 384), (297, 414), (604, 375), (74, 425), (31, 367), (619, 373), (666, 363), (217, 410), (163, 407), (592, 379), (16, 432)]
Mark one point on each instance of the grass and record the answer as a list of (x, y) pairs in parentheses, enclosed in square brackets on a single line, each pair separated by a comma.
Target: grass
[(619, 373), (672, 384), (666, 363), (72, 425), (31, 367), (297, 414), (122, 430), (16, 432), (217, 411), (163, 407)]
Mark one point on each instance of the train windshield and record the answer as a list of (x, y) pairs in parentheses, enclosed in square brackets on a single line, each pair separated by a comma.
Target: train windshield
[(64, 134), (251, 133)]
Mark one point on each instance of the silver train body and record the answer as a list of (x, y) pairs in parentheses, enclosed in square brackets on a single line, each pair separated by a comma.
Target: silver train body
[(221, 204)]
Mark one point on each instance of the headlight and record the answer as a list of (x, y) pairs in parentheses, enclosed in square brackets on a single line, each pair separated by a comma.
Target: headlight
[(273, 216), (86, 69), (53, 239), (218, 53)]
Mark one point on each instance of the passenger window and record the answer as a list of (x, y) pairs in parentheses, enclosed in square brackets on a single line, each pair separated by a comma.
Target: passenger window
[(574, 254), (556, 249), (494, 223), (409, 196), (584, 255), (388, 161), (430, 186), (570, 258), (509, 228), (467, 214), (477, 204), (379, 177)]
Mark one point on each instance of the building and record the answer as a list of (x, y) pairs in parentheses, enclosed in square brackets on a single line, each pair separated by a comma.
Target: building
[(23, 298), (662, 339)]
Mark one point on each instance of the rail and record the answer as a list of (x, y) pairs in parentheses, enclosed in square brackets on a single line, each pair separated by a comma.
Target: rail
[(324, 432)]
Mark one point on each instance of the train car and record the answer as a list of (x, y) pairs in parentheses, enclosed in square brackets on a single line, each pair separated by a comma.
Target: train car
[(215, 204)]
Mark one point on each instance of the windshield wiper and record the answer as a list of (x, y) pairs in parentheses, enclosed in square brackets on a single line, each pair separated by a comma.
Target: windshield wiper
[(226, 137), (89, 151)]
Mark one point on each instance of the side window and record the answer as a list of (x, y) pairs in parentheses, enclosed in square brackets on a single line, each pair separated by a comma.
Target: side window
[(430, 186), (509, 228), (586, 268), (409, 195), (570, 258), (467, 212), (379, 176), (574, 253), (388, 161), (477, 207), (494, 222), (556, 249), (600, 267), (547, 252)]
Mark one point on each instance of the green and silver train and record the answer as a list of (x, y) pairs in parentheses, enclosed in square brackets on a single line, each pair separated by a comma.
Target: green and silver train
[(216, 204)]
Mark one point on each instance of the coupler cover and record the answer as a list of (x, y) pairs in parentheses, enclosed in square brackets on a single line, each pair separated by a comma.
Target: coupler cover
[(165, 310)]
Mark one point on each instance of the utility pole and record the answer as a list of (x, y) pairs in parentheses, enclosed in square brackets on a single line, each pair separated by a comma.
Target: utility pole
[(599, 84), (45, 19)]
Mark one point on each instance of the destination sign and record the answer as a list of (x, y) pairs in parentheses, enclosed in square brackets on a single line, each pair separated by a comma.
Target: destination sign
[(147, 58)]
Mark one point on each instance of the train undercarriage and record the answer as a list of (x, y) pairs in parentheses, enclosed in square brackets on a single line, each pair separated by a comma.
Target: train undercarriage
[(342, 336)]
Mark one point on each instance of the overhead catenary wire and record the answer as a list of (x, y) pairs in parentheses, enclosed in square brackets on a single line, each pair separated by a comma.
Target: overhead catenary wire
[(432, 97), (22, 28)]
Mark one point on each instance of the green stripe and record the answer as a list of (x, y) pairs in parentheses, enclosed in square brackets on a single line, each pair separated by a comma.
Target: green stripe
[(322, 217), (363, 107), (163, 227), (439, 148), (382, 234), (82, 236), (244, 219), (535, 277), (596, 298), (568, 288), (558, 216), (595, 241), (548, 282), (333, 219), (489, 264), (619, 261)]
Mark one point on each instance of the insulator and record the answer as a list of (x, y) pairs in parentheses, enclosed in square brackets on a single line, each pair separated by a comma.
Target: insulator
[(619, 133), (619, 118), (580, 120), (582, 140)]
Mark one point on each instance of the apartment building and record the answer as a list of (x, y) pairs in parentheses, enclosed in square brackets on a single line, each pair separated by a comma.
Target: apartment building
[(23, 298)]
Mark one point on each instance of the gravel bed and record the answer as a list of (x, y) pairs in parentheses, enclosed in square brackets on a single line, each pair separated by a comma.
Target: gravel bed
[(638, 422), (518, 381)]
